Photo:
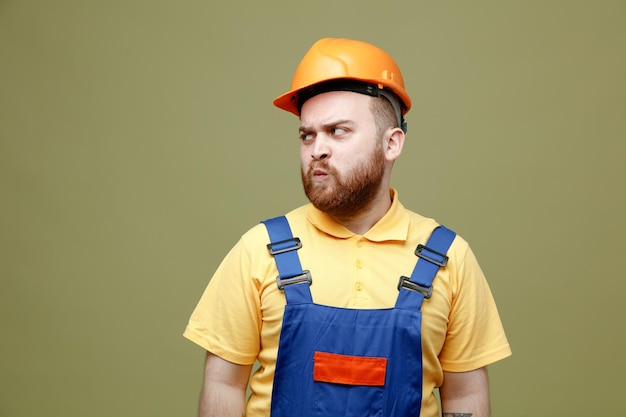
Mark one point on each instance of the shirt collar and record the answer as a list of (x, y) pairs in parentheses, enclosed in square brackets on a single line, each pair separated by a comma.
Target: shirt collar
[(394, 225)]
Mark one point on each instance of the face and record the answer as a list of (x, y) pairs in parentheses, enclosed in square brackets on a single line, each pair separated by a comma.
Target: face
[(342, 158)]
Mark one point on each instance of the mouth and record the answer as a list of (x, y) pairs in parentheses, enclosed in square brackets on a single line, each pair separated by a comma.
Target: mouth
[(319, 174)]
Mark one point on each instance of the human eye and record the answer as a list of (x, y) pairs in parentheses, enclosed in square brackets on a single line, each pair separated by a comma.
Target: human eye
[(305, 136), (338, 131)]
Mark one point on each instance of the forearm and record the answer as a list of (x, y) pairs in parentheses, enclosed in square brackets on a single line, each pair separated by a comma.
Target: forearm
[(477, 409), (472, 405), (224, 389), (221, 400), (465, 394), (458, 414)]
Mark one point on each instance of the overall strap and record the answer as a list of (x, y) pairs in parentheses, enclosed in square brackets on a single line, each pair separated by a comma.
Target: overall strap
[(431, 257), (283, 247)]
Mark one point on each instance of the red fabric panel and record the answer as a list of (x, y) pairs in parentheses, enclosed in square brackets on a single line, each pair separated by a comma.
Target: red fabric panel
[(349, 370)]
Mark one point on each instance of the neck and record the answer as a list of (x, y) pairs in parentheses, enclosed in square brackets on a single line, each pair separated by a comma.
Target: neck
[(363, 220)]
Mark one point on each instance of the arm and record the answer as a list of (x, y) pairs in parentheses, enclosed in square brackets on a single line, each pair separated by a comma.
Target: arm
[(465, 394), (224, 389)]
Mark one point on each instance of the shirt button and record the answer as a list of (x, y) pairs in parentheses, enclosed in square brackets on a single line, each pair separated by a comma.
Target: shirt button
[(359, 265), (359, 244), (358, 286)]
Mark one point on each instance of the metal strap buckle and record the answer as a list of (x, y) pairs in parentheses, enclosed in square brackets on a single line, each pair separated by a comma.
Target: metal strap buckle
[(282, 246), (432, 256), (406, 282), (305, 277)]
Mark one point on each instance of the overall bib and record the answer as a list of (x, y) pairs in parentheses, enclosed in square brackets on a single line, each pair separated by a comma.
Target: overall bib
[(350, 362)]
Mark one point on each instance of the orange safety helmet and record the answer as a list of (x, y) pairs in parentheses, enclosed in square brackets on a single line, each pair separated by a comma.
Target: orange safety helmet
[(345, 59)]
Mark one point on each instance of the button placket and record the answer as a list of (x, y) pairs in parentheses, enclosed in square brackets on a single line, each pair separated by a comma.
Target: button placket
[(358, 286)]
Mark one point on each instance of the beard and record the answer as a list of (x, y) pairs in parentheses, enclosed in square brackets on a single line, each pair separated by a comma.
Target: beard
[(345, 196)]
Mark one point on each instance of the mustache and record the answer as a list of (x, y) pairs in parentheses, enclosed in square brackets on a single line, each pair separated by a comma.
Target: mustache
[(324, 165)]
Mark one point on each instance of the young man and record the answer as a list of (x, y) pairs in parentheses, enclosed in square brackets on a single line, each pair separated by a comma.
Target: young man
[(331, 300)]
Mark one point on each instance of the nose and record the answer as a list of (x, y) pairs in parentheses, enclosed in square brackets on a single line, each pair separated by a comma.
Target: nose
[(320, 149)]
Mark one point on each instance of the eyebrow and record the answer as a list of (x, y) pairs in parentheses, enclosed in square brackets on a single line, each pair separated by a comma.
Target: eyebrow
[(326, 126)]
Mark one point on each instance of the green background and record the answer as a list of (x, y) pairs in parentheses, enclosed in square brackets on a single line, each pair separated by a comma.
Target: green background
[(138, 141)]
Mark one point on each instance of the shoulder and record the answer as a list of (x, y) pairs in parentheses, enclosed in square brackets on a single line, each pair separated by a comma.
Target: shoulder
[(422, 227), (257, 236)]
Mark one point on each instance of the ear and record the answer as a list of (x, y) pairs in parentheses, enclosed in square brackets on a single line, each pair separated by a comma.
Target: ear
[(393, 143)]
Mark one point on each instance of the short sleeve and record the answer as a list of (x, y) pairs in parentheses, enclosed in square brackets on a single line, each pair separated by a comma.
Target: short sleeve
[(227, 319), (475, 335)]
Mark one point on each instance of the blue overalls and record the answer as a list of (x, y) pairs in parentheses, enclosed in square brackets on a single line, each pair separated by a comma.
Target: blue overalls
[(350, 362)]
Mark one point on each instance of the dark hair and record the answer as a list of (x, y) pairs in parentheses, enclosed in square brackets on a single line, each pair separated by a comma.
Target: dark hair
[(384, 114)]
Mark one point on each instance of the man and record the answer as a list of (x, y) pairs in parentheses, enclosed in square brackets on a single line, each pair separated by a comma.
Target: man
[(331, 300)]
